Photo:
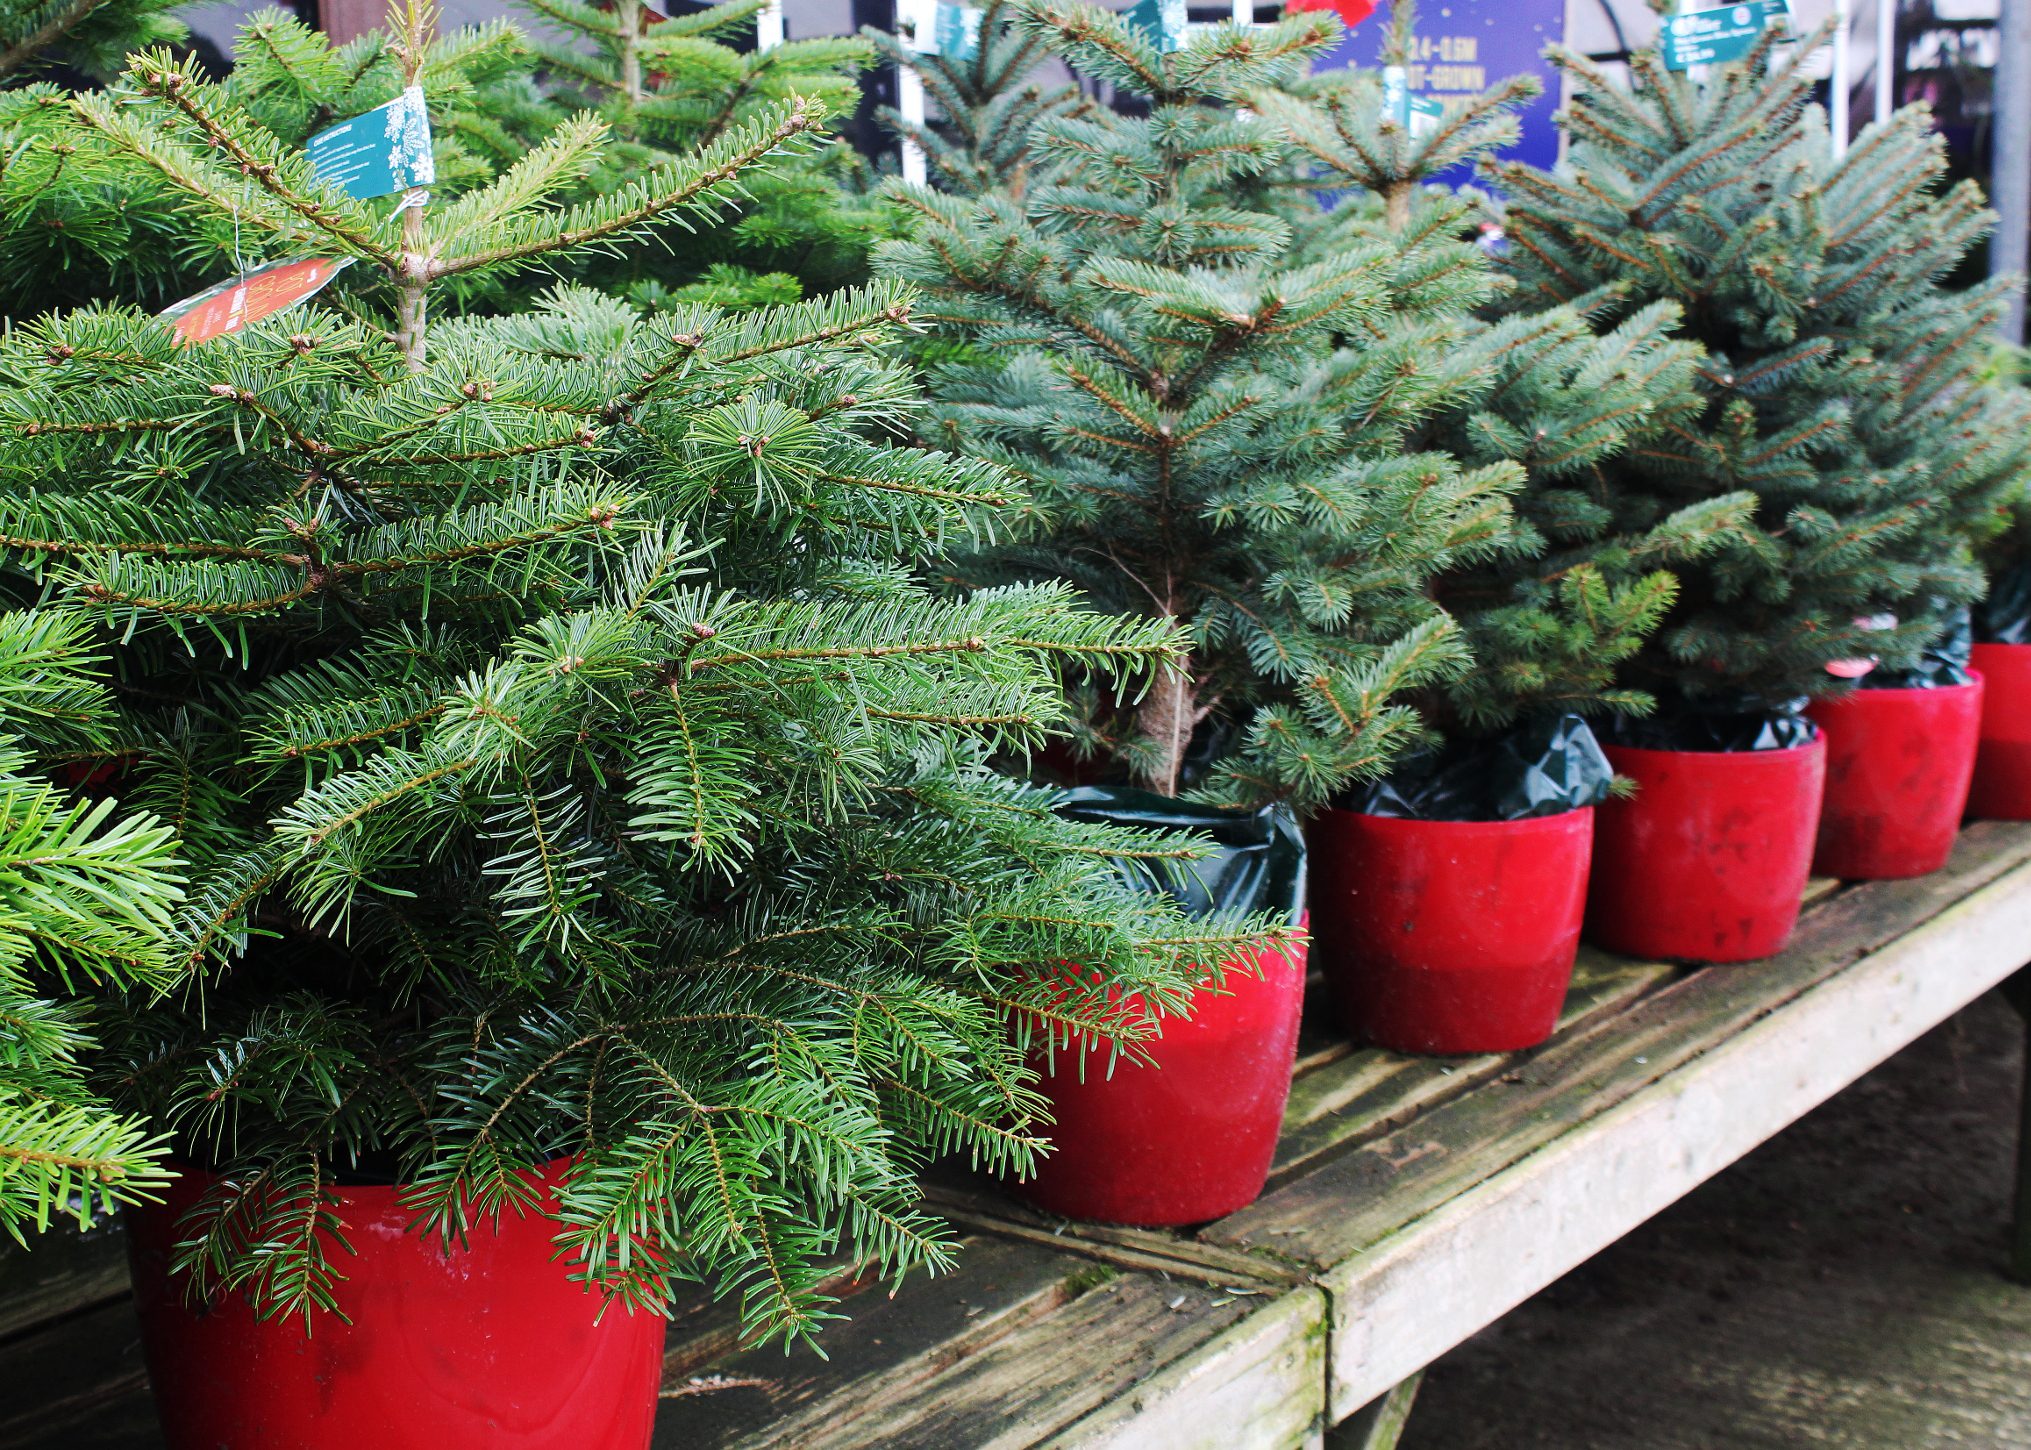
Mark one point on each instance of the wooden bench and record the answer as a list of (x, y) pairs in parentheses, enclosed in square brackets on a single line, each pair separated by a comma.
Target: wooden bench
[(1413, 1202)]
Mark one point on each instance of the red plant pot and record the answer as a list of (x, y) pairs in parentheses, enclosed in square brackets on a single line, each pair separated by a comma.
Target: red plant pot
[(1708, 861), (2002, 783), (1189, 1136), (1898, 765), (489, 1347), (1449, 936)]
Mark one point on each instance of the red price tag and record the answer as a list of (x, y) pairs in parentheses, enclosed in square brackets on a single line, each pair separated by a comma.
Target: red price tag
[(260, 293)]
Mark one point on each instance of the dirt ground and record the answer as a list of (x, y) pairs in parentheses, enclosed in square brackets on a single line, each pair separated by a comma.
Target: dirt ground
[(1840, 1287)]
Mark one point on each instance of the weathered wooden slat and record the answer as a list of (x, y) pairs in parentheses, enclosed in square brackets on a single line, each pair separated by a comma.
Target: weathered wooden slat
[(1353, 1201), (78, 1384), (889, 1345), (1258, 1386), (1061, 1353), (65, 1273), (1154, 1250), (1494, 1197), (1367, 1092), (1343, 1095)]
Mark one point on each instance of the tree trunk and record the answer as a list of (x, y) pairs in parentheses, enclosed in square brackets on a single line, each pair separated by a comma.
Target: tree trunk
[(1396, 205), (412, 304), (1166, 719), (628, 16)]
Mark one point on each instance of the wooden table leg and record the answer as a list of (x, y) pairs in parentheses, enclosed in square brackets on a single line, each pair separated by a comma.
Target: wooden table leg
[(1378, 1425), (2018, 992)]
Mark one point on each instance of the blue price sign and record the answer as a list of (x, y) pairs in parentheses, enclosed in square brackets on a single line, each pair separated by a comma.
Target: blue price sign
[(1462, 48), (1724, 33)]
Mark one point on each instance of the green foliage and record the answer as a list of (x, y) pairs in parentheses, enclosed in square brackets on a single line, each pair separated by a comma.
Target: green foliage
[(567, 757), (1214, 410), (87, 36), (1573, 597), (81, 222), (668, 87), (86, 897), (991, 102), (1569, 597), (1842, 385)]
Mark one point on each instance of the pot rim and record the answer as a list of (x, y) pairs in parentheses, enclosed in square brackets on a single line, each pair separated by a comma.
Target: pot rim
[(1785, 752), (1558, 823), (1861, 692)]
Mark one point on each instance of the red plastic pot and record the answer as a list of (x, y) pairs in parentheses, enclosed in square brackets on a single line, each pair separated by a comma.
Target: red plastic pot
[(2002, 783), (1708, 861), (490, 1347), (1898, 766), (1188, 1137), (1449, 936)]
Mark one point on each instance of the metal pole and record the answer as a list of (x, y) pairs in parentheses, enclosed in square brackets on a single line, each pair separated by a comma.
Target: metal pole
[(1886, 58), (2010, 173), (1840, 82)]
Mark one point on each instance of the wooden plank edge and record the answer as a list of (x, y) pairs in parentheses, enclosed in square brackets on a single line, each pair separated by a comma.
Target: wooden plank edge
[(1143, 1250), (1423, 1290), (1259, 1384)]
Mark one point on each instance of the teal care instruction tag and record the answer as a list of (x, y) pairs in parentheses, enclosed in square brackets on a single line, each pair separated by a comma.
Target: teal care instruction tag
[(934, 27), (1724, 33), (1418, 114), (1162, 22), (376, 154), (955, 34)]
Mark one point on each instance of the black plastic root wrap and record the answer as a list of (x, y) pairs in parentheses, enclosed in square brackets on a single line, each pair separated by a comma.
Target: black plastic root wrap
[(1543, 768), (1258, 863), (1743, 722), (2004, 617), (1943, 662)]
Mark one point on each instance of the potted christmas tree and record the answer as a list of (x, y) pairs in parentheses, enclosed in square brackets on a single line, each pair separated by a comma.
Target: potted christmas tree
[(1153, 356), (599, 881), (2001, 650), (1721, 196), (1448, 893)]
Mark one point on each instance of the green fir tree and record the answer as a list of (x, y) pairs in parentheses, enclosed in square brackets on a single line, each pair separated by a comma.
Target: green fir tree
[(1840, 385), (565, 755), (667, 86), (989, 99), (1214, 422), (86, 900)]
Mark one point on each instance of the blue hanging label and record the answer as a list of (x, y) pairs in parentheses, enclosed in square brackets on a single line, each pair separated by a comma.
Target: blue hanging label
[(1162, 22), (956, 32), (933, 27), (386, 150), (1418, 114), (1724, 33)]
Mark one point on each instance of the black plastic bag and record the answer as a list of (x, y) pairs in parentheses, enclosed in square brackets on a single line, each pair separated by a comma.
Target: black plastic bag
[(1543, 768), (1742, 722), (2004, 617), (1941, 663), (1258, 864)]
